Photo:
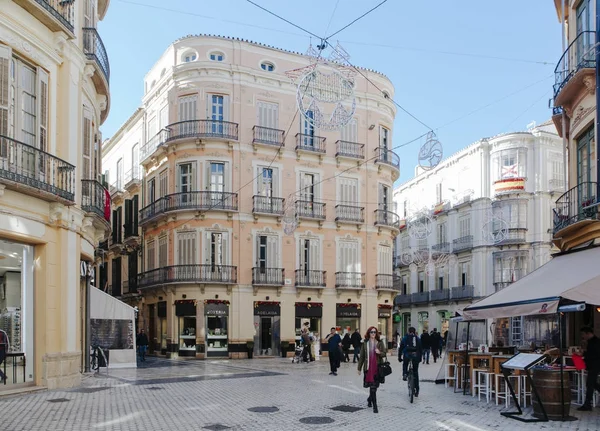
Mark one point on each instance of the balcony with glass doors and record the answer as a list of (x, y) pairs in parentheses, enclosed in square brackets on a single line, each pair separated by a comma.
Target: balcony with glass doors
[(386, 282), (387, 219), (189, 201), (184, 274), (385, 157), (439, 296), (349, 214), (267, 205), (57, 15), (311, 278), (268, 137), (420, 298), (310, 144), (263, 276), (462, 293), (310, 210), (29, 170), (349, 280), (576, 216), (577, 63), (464, 243)]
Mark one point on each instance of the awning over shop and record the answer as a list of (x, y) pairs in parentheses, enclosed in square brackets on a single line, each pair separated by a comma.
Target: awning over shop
[(574, 276)]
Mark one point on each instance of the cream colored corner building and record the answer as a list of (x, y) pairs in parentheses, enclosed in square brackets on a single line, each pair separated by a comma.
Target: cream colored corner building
[(54, 95), (223, 154)]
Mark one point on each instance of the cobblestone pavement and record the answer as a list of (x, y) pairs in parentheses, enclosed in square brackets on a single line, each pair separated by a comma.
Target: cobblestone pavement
[(218, 395)]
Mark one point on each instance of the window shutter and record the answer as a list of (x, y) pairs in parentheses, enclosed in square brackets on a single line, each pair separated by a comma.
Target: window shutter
[(275, 182), (87, 146), (128, 211), (151, 256), (206, 251), (226, 115), (272, 252), (259, 178), (134, 214), (164, 117), (187, 108), (5, 56), (225, 248), (315, 254), (42, 109)]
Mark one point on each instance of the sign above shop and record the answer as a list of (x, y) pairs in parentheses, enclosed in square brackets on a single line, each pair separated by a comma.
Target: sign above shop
[(216, 309), (347, 310), (309, 309), (264, 308)]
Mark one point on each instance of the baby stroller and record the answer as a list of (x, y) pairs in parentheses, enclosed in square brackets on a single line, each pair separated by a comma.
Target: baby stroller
[(298, 354)]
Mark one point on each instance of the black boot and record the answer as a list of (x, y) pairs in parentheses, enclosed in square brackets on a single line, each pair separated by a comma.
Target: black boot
[(374, 400), (369, 403)]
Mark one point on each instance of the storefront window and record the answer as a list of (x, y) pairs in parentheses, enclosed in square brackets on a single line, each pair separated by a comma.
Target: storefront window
[(217, 320), (423, 322), (346, 325), (185, 310), (16, 312)]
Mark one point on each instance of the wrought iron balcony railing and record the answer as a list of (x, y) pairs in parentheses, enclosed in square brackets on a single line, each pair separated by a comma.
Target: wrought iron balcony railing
[(388, 157), (133, 176), (385, 281), (262, 276), (579, 55), (267, 205), (310, 278), (94, 50), (193, 273), (58, 11), (95, 199), (348, 149), (575, 205), (462, 243), (268, 136), (310, 209), (203, 129), (462, 292), (420, 297), (116, 187), (130, 286), (23, 165), (403, 300), (349, 213), (189, 201), (440, 295), (153, 143), (350, 280), (310, 143), (386, 218), (511, 236), (442, 247)]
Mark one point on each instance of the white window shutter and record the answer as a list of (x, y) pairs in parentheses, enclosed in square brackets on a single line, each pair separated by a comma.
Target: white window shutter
[(164, 117), (259, 181), (87, 146), (272, 251), (206, 253), (226, 115), (275, 182), (42, 109), (225, 248), (209, 106), (5, 57), (314, 254)]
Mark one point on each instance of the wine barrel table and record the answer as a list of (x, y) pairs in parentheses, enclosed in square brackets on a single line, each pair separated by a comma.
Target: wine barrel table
[(547, 383)]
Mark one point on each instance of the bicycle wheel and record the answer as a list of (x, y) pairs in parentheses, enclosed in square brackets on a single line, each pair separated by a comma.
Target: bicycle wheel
[(94, 361), (411, 388)]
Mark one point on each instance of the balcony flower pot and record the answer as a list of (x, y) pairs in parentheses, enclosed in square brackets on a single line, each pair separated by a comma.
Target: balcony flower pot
[(250, 347), (285, 346)]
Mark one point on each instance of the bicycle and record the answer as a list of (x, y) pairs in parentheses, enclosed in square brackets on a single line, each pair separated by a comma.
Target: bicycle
[(411, 380), (94, 357)]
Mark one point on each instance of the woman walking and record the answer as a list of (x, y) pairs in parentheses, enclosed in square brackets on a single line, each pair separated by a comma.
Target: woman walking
[(372, 353)]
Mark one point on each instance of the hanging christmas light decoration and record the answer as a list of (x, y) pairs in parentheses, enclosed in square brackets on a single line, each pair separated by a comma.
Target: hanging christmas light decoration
[(290, 216), (495, 228), (420, 225), (431, 152), (325, 89)]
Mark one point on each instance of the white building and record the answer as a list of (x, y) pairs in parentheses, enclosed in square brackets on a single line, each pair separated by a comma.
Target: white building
[(516, 177)]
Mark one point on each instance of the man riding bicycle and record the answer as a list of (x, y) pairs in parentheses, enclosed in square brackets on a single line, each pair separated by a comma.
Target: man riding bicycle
[(411, 350)]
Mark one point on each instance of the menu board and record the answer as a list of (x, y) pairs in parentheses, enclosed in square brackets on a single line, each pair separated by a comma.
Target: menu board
[(523, 361)]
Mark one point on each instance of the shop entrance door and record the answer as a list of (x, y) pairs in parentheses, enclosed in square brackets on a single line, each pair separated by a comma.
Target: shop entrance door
[(267, 336), (151, 328)]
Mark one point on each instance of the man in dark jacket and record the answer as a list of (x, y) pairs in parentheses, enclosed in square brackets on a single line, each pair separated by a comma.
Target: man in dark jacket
[(436, 344), (356, 340), (426, 345), (334, 342), (411, 350), (592, 364), (142, 343), (4, 345)]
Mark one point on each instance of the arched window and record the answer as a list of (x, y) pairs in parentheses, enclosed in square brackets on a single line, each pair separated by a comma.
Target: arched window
[(269, 67), (216, 56)]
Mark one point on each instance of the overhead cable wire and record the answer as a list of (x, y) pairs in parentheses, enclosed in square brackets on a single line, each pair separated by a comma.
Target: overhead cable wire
[(283, 19), (357, 19)]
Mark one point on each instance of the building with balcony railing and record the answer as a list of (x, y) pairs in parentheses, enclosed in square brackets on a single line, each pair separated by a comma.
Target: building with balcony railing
[(224, 167), (487, 206), (55, 207)]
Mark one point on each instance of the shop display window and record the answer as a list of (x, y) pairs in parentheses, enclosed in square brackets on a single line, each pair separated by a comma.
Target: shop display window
[(187, 333), (216, 333), (347, 325)]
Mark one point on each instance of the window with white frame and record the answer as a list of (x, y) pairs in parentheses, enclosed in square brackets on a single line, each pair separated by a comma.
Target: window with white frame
[(267, 114), (516, 330), (438, 193), (384, 197), (216, 248), (510, 163), (186, 248), (405, 208), (216, 56), (87, 144), (422, 286), (348, 254), (464, 271), (186, 173), (510, 266), (189, 56), (557, 179), (151, 255), (267, 181), (349, 132), (384, 259), (464, 226), (347, 191), (216, 178), (151, 190), (163, 251), (163, 117), (441, 233), (163, 183), (309, 255), (217, 110), (187, 108), (309, 190), (135, 162), (442, 276), (268, 66), (267, 251), (512, 211), (405, 284), (384, 139), (151, 129), (119, 183)]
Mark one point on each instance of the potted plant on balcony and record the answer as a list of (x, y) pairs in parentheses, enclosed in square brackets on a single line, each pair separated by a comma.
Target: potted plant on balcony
[(285, 346), (250, 347)]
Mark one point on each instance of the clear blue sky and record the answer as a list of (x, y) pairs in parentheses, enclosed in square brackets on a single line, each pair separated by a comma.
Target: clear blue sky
[(445, 58)]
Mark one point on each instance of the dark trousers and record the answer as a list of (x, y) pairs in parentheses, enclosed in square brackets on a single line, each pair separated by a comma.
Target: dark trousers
[(2, 357), (356, 353), (591, 385), (306, 353), (426, 355), (415, 364), (333, 362), (436, 353), (346, 358)]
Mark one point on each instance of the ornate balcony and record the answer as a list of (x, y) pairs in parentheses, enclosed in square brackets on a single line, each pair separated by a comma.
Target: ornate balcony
[(130, 287), (190, 201), (442, 247), (350, 150), (387, 219), (306, 278), (34, 172), (512, 236), (577, 62), (576, 216), (95, 200), (180, 274), (349, 280), (462, 244), (310, 210), (385, 282), (268, 276), (95, 52), (211, 129), (267, 136), (461, 293), (57, 15), (116, 190), (133, 178), (388, 157), (153, 144), (267, 205), (403, 300), (440, 295), (349, 214), (310, 143), (420, 298)]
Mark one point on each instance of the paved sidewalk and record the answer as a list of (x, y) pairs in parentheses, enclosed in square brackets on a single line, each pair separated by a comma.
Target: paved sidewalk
[(259, 394)]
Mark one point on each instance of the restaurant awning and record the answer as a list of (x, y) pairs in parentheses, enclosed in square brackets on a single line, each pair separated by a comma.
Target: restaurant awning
[(574, 276)]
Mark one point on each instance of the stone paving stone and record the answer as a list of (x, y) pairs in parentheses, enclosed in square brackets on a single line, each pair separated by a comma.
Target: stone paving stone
[(198, 394)]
